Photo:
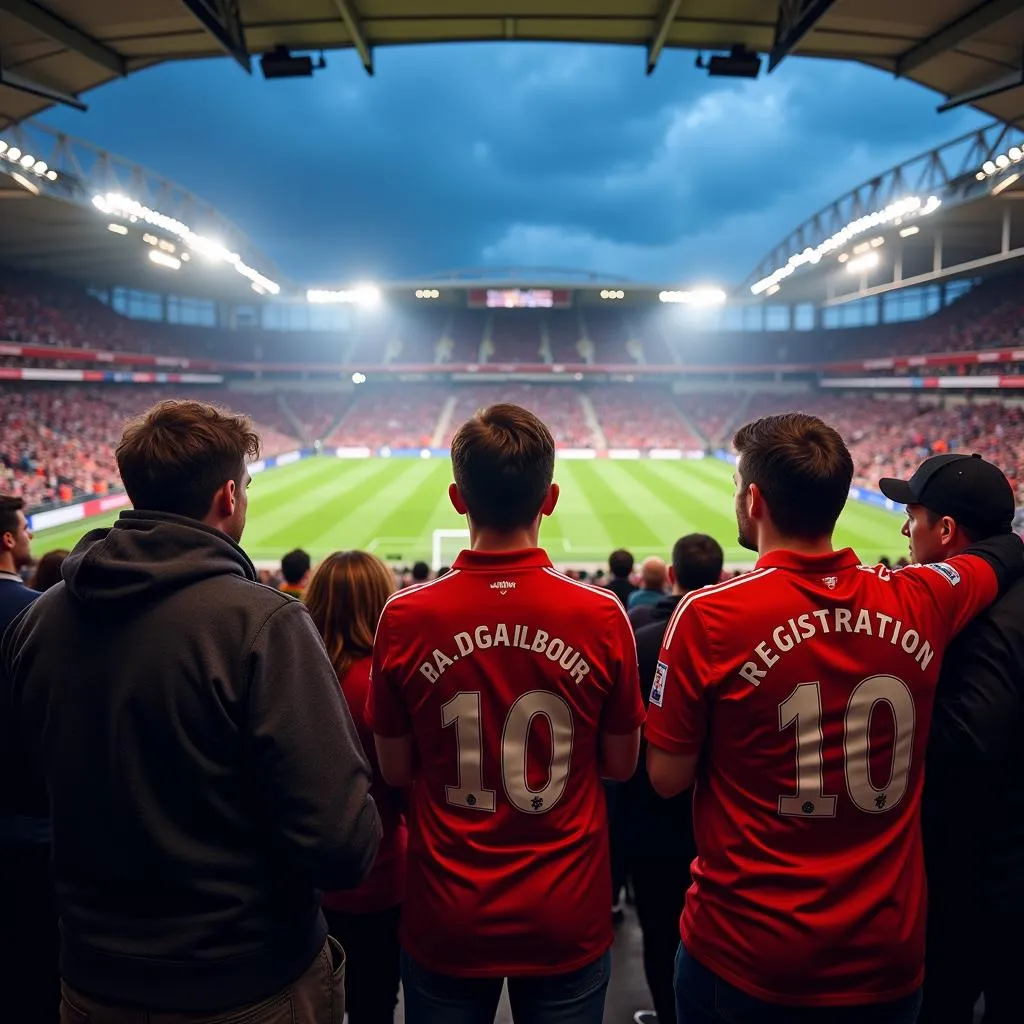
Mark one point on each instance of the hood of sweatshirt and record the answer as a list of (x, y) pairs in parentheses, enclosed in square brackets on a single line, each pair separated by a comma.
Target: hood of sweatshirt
[(146, 555)]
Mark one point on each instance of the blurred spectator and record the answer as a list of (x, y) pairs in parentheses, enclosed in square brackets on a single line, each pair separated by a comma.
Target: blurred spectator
[(653, 574), (345, 598), (658, 841), (47, 571), (28, 927), (620, 563), (295, 568), (420, 573)]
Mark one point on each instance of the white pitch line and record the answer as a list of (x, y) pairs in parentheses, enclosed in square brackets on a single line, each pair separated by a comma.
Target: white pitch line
[(567, 544)]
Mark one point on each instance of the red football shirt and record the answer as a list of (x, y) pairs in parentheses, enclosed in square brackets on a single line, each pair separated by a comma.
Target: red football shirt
[(808, 686), (506, 672), (384, 886)]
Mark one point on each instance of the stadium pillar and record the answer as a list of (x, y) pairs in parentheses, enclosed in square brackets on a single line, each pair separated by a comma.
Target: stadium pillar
[(816, 319), (937, 254), (163, 307)]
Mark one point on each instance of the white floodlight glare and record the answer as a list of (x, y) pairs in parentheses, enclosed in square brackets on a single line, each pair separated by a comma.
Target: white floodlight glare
[(1015, 154), (117, 229), (902, 209), (51, 175), (120, 205), (3, 147), (988, 167), (612, 293), (14, 154), (27, 161), (695, 297), (163, 259), (865, 262), (360, 295), (907, 232), (1002, 161), (427, 293), (358, 378)]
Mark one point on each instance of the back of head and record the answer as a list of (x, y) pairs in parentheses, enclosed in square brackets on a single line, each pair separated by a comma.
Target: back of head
[(503, 460), (620, 563), (345, 598), (697, 561), (653, 573), (802, 468), (47, 570), (294, 566), (177, 456), (420, 572)]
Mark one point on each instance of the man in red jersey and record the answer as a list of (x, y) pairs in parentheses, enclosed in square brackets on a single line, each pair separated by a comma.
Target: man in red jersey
[(505, 691), (804, 691)]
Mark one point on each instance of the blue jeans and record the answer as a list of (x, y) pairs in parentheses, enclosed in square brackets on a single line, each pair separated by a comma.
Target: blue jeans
[(704, 998), (573, 998)]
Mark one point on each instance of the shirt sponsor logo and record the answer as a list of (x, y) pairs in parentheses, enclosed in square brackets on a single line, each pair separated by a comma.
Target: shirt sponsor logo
[(503, 586), (831, 582), (945, 570), (658, 687)]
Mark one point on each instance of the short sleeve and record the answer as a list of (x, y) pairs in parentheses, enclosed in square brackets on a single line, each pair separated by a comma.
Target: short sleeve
[(624, 709), (386, 710), (677, 715), (951, 593)]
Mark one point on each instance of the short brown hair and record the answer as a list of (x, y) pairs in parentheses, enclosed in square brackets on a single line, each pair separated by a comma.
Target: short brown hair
[(802, 467), (345, 597), (503, 460), (176, 456), (10, 506), (697, 561)]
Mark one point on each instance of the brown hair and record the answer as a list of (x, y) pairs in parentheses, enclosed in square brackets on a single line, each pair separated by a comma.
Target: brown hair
[(802, 467), (47, 571), (9, 509), (503, 460), (176, 456), (345, 597)]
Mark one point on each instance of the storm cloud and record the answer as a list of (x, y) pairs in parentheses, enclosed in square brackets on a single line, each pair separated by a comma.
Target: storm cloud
[(524, 155)]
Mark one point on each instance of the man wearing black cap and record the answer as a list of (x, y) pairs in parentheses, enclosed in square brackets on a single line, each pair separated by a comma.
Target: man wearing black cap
[(973, 809)]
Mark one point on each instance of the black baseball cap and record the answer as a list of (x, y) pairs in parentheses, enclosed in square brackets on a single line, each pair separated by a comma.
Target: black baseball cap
[(973, 492)]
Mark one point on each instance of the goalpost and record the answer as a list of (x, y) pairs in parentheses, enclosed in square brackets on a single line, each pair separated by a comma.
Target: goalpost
[(445, 545)]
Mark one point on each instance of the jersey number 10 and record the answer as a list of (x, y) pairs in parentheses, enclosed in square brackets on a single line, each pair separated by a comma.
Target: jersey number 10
[(463, 711), (803, 708)]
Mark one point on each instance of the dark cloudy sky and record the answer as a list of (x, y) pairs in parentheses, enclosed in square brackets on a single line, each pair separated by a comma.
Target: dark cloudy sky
[(460, 156)]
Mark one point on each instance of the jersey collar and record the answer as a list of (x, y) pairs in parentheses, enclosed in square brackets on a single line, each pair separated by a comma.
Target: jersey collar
[(834, 561), (527, 558)]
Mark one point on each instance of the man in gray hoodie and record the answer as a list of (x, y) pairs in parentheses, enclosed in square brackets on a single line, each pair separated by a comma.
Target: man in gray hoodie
[(204, 775)]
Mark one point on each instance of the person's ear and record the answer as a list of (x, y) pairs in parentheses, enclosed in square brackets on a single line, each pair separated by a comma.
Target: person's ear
[(455, 497), (550, 500)]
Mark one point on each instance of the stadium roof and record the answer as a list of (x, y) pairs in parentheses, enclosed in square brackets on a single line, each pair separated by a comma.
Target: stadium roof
[(970, 51)]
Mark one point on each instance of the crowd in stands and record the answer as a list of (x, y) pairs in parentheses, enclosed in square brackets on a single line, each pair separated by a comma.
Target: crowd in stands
[(642, 417), (42, 311), (56, 441)]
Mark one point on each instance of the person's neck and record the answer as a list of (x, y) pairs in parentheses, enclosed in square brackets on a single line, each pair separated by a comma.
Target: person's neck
[(486, 539), (7, 565), (798, 545)]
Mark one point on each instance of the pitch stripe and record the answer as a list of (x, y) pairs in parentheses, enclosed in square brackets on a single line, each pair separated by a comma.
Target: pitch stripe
[(715, 588)]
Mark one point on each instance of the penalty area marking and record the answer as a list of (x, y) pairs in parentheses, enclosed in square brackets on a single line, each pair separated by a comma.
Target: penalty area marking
[(378, 542)]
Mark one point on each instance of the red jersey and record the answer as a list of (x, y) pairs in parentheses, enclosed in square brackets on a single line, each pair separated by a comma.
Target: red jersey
[(506, 672), (384, 886), (808, 686)]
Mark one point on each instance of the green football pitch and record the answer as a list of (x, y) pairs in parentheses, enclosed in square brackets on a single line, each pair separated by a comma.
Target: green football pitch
[(392, 507)]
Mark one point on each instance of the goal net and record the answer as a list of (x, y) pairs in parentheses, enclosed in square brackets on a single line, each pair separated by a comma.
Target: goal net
[(445, 545)]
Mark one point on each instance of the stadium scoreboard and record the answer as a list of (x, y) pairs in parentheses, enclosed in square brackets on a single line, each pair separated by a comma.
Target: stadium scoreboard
[(519, 298)]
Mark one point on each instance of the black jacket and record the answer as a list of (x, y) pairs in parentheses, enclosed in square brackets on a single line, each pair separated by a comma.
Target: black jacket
[(653, 826), (973, 810), (204, 773), (621, 587)]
